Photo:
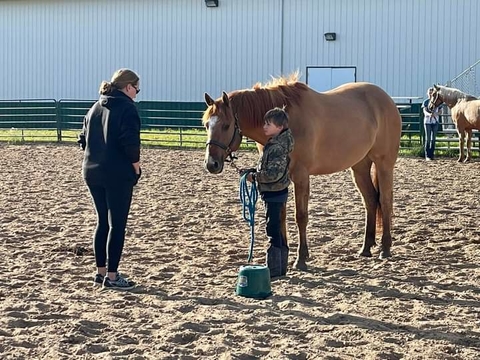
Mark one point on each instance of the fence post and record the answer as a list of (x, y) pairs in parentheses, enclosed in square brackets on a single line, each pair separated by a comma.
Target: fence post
[(181, 137), (58, 120), (421, 127)]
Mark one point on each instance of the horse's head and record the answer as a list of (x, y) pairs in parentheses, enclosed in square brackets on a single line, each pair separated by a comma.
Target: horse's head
[(434, 97), (223, 134)]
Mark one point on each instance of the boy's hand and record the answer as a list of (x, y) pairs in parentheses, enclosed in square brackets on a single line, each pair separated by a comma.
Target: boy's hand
[(251, 177), (250, 171), (242, 172)]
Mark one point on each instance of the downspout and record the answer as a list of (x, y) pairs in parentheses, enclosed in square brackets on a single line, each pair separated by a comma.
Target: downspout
[(282, 36)]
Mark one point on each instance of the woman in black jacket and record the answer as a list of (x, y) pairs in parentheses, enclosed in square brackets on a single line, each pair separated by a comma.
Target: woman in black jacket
[(111, 167)]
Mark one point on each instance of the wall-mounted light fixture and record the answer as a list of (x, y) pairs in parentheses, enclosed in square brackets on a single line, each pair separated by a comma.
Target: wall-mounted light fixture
[(330, 36), (211, 3)]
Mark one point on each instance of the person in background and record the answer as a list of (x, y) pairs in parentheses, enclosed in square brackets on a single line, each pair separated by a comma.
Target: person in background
[(111, 168), (431, 121), (272, 177)]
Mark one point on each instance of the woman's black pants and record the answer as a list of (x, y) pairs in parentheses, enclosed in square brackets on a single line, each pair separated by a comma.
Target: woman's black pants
[(112, 203)]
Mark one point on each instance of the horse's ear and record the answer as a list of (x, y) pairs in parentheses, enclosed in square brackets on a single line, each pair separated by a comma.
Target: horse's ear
[(225, 99), (436, 86), (208, 100)]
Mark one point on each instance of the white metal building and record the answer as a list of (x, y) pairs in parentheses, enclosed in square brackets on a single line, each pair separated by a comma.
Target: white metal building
[(182, 48)]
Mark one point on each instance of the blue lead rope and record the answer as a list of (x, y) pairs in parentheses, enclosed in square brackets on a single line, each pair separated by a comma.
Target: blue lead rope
[(248, 197)]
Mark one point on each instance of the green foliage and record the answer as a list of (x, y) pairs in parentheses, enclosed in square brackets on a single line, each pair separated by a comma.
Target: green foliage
[(195, 138), (449, 153), (18, 136), (180, 137), (415, 151)]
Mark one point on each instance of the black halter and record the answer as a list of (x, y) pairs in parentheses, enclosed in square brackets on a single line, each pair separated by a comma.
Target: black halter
[(230, 155)]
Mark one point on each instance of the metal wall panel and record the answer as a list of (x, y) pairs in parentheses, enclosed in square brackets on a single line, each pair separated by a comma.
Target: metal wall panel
[(403, 45), (181, 48)]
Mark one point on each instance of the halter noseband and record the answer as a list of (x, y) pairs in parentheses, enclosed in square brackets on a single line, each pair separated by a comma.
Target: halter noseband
[(228, 150)]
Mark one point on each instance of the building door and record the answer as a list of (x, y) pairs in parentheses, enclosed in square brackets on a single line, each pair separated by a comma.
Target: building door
[(323, 78)]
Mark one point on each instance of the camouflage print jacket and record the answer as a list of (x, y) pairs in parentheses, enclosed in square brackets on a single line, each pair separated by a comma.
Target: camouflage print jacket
[(272, 169)]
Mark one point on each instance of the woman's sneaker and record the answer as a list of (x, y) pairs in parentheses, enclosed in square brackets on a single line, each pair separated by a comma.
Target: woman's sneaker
[(98, 281), (120, 283)]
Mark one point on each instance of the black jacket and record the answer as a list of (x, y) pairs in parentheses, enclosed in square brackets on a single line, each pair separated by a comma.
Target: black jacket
[(111, 140)]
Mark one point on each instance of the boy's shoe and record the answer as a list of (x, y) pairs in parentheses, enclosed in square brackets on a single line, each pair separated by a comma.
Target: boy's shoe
[(274, 261), (120, 283), (98, 281)]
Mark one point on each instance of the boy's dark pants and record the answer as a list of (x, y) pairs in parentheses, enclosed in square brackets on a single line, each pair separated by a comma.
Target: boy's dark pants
[(277, 253)]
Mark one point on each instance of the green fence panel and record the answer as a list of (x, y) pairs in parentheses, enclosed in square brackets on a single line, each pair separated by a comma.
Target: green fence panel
[(173, 105), (72, 112), (166, 114), (28, 114), (411, 115), (68, 114), (153, 114)]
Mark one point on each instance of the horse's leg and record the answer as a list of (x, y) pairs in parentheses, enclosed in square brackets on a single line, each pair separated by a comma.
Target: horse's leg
[(363, 181), (469, 145), (461, 143), (384, 174), (302, 191)]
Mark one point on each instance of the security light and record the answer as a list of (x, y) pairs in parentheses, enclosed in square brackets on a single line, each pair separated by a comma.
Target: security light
[(211, 3), (330, 36)]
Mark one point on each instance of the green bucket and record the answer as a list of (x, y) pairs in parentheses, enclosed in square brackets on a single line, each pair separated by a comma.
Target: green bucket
[(254, 282)]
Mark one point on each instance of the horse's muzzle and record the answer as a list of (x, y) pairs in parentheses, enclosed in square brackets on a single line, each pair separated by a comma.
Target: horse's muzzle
[(213, 166)]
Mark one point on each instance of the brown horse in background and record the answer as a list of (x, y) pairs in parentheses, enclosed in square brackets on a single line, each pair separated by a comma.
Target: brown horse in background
[(465, 114), (355, 126)]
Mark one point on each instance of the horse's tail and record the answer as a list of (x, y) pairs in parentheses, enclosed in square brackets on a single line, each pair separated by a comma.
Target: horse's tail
[(379, 224)]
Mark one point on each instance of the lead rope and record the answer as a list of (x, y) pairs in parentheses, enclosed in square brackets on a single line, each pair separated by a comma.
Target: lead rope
[(248, 197)]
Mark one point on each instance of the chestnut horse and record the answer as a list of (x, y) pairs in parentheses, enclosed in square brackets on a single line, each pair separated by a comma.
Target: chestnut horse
[(465, 114), (355, 126)]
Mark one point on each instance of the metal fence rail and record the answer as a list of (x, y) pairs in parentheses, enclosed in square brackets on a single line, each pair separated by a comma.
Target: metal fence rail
[(178, 124), (65, 115)]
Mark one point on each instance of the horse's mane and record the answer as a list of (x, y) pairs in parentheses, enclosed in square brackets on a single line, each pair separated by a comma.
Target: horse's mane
[(449, 93), (252, 104)]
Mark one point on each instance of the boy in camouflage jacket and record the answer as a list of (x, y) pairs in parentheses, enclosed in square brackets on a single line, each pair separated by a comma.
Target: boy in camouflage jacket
[(272, 177)]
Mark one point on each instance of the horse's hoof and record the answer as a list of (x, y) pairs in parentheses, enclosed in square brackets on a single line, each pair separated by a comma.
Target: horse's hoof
[(300, 265), (466, 160), (460, 160), (365, 253), (385, 254)]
